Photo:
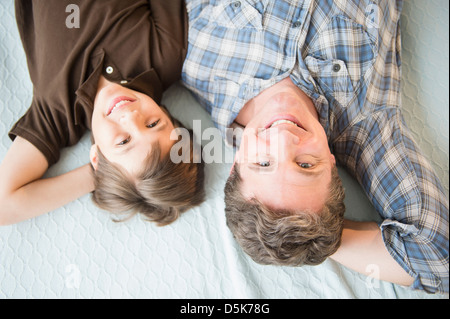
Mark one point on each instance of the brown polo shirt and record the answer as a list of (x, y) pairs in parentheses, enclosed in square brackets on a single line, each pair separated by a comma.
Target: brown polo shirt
[(140, 44)]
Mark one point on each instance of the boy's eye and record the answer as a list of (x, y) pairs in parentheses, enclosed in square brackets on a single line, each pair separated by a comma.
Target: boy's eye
[(153, 124), (125, 141), (305, 165)]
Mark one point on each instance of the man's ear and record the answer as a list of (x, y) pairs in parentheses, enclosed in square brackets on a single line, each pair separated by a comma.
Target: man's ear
[(93, 155), (333, 159), (236, 159)]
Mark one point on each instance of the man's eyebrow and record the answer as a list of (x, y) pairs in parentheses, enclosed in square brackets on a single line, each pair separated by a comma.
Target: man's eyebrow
[(260, 169), (309, 172), (272, 168)]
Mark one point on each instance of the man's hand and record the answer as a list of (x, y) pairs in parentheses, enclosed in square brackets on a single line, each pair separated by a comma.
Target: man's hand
[(363, 248)]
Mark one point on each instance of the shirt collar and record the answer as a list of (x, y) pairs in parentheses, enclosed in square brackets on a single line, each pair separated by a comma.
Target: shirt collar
[(147, 83)]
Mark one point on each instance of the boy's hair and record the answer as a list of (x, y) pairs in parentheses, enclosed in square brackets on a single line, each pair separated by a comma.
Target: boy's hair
[(285, 238), (161, 191)]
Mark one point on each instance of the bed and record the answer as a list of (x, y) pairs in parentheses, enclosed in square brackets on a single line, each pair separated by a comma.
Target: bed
[(77, 251)]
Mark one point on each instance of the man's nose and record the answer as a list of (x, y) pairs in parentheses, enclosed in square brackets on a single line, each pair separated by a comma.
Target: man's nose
[(281, 143), (284, 138)]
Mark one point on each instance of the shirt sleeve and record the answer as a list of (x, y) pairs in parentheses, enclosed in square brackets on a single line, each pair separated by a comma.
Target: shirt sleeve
[(406, 192), (168, 39), (377, 147), (48, 129), (416, 229)]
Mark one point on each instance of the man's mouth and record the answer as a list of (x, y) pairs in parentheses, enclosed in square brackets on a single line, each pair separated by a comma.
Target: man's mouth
[(284, 120), (279, 122), (118, 103)]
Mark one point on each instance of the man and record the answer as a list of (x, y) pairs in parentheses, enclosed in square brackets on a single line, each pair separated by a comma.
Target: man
[(315, 83)]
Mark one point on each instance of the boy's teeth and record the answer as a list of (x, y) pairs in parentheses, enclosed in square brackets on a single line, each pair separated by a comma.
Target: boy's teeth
[(119, 104), (282, 122)]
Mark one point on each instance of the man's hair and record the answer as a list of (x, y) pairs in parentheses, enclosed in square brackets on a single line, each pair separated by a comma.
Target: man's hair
[(161, 191), (285, 238)]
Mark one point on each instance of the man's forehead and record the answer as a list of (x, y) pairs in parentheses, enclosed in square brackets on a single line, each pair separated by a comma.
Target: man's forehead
[(284, 191)]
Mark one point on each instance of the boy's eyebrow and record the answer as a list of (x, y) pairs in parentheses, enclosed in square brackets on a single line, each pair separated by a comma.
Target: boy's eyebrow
[(126, 148), (161, 127), (131, 146)]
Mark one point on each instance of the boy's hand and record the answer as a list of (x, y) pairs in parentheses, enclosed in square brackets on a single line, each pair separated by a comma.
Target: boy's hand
[(23, 192)]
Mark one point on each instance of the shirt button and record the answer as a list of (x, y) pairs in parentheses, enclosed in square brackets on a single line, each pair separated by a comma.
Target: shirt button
[(336, 67), (237, 4), (297, 24), (109, 70)]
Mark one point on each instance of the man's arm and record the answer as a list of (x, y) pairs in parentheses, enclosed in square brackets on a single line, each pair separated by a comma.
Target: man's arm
[(363, 250), (23, 192)]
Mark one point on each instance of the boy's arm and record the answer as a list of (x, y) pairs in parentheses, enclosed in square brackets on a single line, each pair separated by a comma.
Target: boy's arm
[(363, 250), (23, 192)]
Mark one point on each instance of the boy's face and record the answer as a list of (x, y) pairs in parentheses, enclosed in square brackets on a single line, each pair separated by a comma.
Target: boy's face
[(126, 124), (284, 158)]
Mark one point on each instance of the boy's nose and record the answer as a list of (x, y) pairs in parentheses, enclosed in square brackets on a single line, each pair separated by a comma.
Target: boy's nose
[(128, 116), (130, 119)]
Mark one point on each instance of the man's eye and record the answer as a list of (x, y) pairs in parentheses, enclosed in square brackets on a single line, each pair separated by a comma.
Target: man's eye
[(125, 141), (264, 164), (153, 124), (305, 165)]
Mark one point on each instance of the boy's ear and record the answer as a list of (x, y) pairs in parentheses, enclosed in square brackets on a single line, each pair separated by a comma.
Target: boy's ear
[(93, 155)]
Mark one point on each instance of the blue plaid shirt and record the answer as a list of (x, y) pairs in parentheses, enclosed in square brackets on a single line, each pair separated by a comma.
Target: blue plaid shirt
[(346, 56)]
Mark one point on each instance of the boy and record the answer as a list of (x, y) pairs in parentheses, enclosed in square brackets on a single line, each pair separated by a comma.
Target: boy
[(100, 65)]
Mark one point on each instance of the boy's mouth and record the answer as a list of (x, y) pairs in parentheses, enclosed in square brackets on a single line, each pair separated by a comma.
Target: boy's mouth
[(118, 103)]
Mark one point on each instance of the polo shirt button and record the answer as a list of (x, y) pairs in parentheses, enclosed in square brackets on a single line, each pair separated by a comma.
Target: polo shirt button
[(109, 70), (336, 67)]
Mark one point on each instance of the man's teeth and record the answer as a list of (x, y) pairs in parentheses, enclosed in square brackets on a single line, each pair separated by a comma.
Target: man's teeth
[(119, 105), (283, 122)]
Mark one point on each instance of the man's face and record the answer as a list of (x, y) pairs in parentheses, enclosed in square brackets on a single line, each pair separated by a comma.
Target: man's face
[(284, 158), (126, 125)]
